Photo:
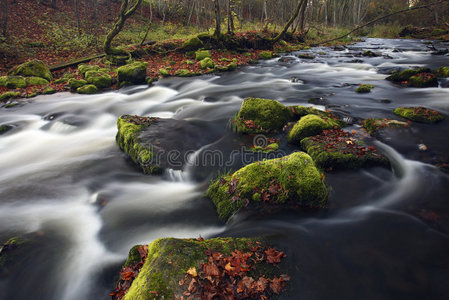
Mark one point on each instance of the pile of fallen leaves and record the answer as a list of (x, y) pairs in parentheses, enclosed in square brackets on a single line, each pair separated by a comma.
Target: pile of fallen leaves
[(138, 120), (128, 274), (233, 277)]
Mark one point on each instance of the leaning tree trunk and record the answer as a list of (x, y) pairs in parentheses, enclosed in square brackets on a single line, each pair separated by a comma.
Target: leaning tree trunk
[(294, 16), (217, 32), (124, 14)]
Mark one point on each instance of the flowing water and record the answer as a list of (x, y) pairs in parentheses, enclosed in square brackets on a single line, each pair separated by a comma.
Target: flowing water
[(384, 234)]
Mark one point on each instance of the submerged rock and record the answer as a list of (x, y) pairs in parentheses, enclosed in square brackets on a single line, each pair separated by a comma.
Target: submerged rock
[(34, 68), (237, 268), (419, 114), (374, 125), (283, 182), (258, 115), (337, 149)]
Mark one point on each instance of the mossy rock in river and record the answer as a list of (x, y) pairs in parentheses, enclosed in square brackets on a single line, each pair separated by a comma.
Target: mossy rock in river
[(87, 89), (184, 73), (423, 80), (310, 125), (292, 180), (364, 88), (442, 72), (32, 68), (337, 149), (400, 76), (13, 82), (154, 144), (9, 95), (135, 72), (98, 79), (258, 115), (201, 269), (419, 114)]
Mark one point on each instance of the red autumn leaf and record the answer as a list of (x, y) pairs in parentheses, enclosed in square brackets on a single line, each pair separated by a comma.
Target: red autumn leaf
[(273, 256)]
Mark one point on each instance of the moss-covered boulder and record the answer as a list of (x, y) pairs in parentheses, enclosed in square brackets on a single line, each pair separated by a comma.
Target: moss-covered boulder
[(48, 90), (36, 81), (135, 72), (207, 63), (184, 73), (364, 88), (337, 149), (34, 68), (193, 44), (266, 55), (374, 125), (87, 89), (288, 181), (258, 115), (266, 149), (310, 125), (98, 79), (423, 80), (75, 83), (5, 129), (404, 76), (154, 144), (369, 53), (13, 82), (442, 72), (83, 68), (129, 128), (202, 54), (306, 56), (9, 95), (419, 114), (236, 268)]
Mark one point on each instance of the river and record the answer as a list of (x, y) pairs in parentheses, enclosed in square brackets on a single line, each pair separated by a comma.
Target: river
[(384, 234)]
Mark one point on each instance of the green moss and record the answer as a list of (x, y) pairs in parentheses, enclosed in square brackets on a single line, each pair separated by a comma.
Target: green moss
[(32, 68), (11, 105), (374, 125), (128, 140), (232, 66), (11, 251), (48, 91), (9, 95), (398, 76), (75, 83), (202, 54), (135, 72), (99, 79), (261, 115), (419, 114), (31, 95), (207, 63), (150, 81), (169, 259), (224, 59), (87, 89), (309, 125), (164, 72), (442, 72), (364, 88), (13, 82), (266, 55), (83, 68), (189, 62), (423, 80), (369, 53), (36, 81), (269, 148), (184, 73), (133, 256), (339, 150), (295, 178), (4, 129), (306, 56), (193, 44)]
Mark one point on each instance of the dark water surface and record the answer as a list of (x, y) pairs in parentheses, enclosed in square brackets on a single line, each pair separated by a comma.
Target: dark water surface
[(384, 234)]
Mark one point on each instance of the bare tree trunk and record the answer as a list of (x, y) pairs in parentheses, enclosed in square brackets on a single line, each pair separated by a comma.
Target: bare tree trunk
[(77, 13), (217, 32), (124, 14), (4, 17), (335, 13), (302, 16), (149, 26), (294, 16)]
